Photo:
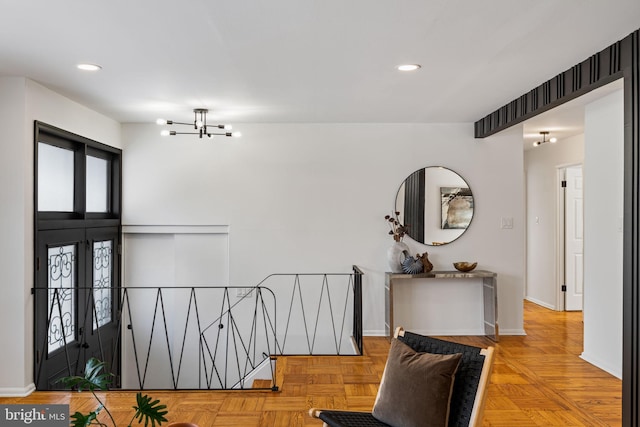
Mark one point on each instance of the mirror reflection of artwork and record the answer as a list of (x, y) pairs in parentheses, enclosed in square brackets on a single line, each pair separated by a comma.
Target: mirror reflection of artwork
[(456, 207), (419, 199)]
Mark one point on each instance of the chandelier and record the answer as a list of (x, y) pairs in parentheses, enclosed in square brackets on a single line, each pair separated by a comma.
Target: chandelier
[(200, 126), (544, 139)]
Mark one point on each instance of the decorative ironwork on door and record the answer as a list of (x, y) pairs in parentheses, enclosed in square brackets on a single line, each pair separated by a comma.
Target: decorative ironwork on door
[(102, 282), (62, 306)]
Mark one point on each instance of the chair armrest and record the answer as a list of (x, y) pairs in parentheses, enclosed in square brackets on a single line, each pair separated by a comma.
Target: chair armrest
[(314, 412)]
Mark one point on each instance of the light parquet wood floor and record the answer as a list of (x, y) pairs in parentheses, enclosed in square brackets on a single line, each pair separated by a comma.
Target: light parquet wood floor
[(538, 380)]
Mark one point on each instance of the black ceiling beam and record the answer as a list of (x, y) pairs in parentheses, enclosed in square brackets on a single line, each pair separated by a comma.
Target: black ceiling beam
[(598, 70)]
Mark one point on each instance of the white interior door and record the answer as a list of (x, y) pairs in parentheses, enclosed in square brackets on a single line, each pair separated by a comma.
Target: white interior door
[(574, 239)]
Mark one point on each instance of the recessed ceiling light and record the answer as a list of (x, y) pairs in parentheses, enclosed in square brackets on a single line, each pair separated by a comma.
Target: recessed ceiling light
[(89, 67), (408, 67)]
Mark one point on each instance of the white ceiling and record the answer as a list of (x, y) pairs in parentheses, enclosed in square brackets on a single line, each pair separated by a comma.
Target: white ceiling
[(566, 120), (304, 60)]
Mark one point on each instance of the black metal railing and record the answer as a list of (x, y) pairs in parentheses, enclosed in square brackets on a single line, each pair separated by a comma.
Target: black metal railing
[(357, 308), (198, 337), (318, 311), (238, 341)]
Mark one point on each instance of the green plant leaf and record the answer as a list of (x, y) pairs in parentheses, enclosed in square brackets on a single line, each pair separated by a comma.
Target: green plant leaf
[(93, 375), (93, 379), (81, 420), (149, 410)]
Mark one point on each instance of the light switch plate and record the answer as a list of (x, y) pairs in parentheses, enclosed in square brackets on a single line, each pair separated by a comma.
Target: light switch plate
[(243, 292), (506, 222)]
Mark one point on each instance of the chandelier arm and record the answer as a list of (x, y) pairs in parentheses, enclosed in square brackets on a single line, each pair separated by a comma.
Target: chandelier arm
[(172, 122), (173, 132)]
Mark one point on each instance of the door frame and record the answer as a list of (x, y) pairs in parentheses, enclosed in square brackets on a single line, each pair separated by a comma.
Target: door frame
[(561, 301), (560, 245), (82, 220)]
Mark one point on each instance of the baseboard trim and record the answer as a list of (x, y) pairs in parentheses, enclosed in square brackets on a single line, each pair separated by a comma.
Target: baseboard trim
[(374, 333), (613, 370), (542, 303), (518, 332), (17, 391)]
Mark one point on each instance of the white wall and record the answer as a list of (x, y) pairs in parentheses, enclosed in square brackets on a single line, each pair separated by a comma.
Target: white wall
[(302, 197), (21, 102), (603, 205), (541, 169), (312, 198), (51, 108), (15, 246)]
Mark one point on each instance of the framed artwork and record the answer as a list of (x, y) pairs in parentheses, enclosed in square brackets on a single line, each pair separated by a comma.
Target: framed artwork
[(457, 207)]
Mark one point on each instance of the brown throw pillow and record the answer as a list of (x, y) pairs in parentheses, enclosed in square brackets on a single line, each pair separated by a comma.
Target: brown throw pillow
[(415, 390)]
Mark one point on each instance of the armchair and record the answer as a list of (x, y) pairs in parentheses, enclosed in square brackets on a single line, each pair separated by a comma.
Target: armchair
[(469, 387)]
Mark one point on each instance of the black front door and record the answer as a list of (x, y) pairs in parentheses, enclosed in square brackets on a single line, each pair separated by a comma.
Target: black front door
[(76, 302)]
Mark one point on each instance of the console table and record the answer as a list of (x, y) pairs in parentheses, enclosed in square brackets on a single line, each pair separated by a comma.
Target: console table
[(489, 292)]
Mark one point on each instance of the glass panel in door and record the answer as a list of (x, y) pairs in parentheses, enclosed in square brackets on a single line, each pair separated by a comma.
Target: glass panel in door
[(97, 185), (55, 178), (61, 274)]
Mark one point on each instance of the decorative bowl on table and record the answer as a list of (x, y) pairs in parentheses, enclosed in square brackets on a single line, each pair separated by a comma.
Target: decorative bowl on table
[(465, 267)]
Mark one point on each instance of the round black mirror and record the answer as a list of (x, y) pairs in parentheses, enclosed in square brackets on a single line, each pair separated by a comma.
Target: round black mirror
[(435, 205)]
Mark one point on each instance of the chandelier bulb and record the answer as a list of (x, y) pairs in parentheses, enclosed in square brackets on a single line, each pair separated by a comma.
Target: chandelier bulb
[(161, 122), (236, 134), (164, 132), (553, 140)]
